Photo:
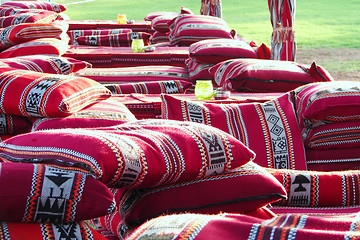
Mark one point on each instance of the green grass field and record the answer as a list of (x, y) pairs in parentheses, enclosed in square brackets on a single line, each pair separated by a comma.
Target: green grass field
[(319, 25)]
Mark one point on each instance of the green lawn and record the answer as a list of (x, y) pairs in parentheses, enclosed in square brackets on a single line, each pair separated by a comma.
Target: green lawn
[(318, 24)]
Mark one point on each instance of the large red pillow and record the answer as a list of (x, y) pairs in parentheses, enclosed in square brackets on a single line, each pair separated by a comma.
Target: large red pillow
[(187, 29), (219, 50), (152, 87), (42, 16), (49, 46), (244, 189), (270, 129), (262, 75), (27, 192), (34, 94), (107, 112), (328, 102), (319, 189), (160, 23), (50, 6), (24, 32), (136, 154), (114, 40), (198, 71), (159, 37), (45, 64)]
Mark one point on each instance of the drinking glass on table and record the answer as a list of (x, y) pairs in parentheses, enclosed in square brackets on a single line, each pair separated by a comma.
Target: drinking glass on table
[(121, 19), (204, 89), (137, 45)]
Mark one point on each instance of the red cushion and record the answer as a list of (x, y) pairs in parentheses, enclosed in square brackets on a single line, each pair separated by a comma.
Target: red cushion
[(160, 23), (219, 193), (27, 190), (11, 124), (24, 32), (154, 87), (27, 93), (73, 34), (44, 231), (270, 129), (335, 135), (152, 15), (42, 16), (50, 6), (334, 159), (260, 75), (322, 103), (159, 37), (319, 189), (114, 40), (187, 29), (45, 64), (218, 50), (105, 113), (135, 74), (198, 71), (145, 153), (49, 46)]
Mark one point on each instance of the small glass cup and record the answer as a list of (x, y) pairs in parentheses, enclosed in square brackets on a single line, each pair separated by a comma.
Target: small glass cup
[(137, 45), (204, 89), (121, 19)]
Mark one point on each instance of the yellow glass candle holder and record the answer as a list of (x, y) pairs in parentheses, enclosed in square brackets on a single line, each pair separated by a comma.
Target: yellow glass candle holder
[(121, 19), (137, 45), (204, 89)]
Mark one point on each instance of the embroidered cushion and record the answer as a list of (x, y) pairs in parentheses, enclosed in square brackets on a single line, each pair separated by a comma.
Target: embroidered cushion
[(335, 135), (198, 71), (114, 40), (219, 50), (223, 192), (322, 103), (319, 189), (41, 193), (50, 6), (33, 94), (45, 64), (41, 16), (270, 129), (108, 112), (24, 32), (48, 46), (334, 159), (136, 154), (153, 87), (45, 231), (260, 75), (187, 29), (73, 34), (11, 124), (135, 74)]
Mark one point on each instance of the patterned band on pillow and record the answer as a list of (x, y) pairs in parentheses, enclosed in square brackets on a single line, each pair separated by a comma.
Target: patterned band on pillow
[(114, 40), (49, 46), (327, 102), (241, 190), (219, 50), (27, 93), (319, 189), (334, 135), (41, 193), (73, 34), (50, 6), (136, 154), (11, 124), (107, 112), (153, 87), (42, 16), (135, 74), (270, 129), (261, 75)]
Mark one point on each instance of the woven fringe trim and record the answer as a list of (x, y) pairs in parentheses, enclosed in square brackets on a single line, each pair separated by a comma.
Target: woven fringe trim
[(283, 34)]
